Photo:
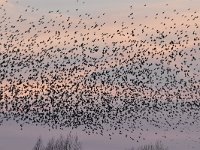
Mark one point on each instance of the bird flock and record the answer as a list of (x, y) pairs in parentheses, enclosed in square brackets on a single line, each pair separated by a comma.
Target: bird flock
[(73, 70)]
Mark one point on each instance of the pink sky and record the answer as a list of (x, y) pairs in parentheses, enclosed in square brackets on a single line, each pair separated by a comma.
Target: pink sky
[(151, 19)]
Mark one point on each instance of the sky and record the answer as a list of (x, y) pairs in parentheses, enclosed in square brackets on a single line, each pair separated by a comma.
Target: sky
[(114, 11), (58, 24)]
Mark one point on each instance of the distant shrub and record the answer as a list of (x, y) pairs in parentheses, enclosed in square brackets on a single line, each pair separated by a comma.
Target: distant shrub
[(62, 143), (157, 146)]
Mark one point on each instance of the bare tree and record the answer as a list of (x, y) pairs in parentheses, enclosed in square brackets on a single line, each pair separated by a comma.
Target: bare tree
[(38, 145), (59, 144), (157, 146), (68, 143), (50, 144)]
